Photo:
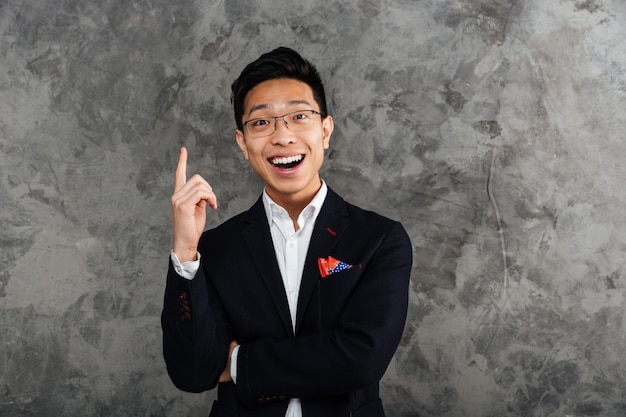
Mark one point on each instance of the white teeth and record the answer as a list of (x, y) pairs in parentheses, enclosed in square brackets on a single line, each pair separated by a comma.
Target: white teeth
[(286, 160)]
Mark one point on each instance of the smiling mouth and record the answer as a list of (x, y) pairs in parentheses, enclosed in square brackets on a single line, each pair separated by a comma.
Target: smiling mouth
[(287, 162)]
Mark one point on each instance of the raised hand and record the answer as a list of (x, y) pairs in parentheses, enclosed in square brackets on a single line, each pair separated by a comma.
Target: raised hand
[(189, 203)]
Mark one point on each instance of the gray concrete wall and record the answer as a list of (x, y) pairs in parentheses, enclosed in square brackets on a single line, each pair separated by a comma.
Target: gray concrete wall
[(493, 129)]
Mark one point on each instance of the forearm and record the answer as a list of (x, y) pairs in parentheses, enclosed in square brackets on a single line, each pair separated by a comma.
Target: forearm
[(195, 335), (320, 364)]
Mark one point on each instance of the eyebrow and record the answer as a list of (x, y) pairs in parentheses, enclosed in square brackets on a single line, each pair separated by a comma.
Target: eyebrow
[(267, 106)]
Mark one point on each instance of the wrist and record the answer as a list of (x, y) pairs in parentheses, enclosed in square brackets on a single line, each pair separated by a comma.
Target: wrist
[(185, 255)]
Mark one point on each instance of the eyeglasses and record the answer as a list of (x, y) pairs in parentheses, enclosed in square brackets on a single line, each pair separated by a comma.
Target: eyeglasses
[(296, 121)]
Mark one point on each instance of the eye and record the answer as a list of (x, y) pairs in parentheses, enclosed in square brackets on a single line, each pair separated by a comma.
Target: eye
[(300, 117), (259, 122)]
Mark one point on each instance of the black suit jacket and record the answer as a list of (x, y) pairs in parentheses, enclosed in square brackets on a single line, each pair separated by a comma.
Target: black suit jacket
[(348, 324)]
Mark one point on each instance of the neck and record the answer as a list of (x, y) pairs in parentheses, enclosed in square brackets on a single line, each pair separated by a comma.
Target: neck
[(294, 203), (294, 207)]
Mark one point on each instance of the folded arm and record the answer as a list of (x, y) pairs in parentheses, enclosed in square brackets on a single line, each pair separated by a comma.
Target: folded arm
[(354, 352)]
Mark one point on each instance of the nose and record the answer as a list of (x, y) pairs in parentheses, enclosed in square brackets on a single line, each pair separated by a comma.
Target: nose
[(280, 121), (282, 134)]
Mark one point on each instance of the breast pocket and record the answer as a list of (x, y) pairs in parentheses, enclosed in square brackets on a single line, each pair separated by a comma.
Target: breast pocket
[(334, 292)]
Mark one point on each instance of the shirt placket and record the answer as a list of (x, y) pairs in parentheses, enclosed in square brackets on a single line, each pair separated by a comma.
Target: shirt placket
[(289, 256), (291, 267)]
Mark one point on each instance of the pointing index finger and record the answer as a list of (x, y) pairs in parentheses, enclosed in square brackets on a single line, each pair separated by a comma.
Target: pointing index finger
[(181, 170)]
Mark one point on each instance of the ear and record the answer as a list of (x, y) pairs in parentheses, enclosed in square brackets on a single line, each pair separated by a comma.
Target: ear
[(241, 141), (327, 130)]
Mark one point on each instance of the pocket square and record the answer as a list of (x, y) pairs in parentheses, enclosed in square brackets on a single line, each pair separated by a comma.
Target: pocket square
[(331, 265)]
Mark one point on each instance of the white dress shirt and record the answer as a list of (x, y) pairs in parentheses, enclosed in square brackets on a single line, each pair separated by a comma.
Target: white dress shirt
[(291, 247)]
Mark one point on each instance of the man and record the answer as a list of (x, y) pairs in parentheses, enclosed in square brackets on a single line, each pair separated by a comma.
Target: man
[(296, 306)]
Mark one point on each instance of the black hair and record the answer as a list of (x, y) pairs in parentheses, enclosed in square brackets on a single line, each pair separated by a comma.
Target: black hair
[(282, 62)]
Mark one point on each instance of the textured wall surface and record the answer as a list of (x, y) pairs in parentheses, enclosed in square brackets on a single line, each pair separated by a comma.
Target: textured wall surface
[(493, 129)]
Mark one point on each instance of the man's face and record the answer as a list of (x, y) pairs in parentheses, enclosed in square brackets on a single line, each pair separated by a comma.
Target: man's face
[(287, 161)]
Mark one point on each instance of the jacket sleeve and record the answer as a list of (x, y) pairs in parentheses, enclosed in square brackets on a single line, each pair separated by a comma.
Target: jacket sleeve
[(355, 351), (196, 334)]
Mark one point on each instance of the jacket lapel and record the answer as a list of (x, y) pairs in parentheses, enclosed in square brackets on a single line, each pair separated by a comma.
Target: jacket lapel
[(259, 241), (329, 227)]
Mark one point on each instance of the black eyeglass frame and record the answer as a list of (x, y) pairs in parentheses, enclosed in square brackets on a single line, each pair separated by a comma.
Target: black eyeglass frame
[(245, 124)]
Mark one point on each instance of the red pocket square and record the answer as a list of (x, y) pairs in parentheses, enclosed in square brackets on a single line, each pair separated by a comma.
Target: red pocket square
[(331, 265)]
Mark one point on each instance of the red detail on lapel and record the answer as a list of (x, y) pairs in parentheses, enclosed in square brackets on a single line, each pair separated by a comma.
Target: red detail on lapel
[(331, 231)]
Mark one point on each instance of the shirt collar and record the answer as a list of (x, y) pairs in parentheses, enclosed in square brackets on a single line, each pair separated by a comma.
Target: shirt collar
[(272, 208)]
